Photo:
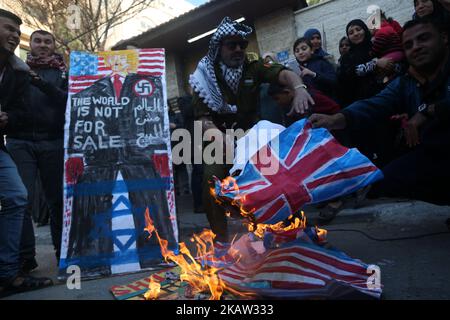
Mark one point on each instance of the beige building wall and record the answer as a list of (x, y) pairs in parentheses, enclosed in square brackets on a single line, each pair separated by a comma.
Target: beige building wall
[(276, 32)]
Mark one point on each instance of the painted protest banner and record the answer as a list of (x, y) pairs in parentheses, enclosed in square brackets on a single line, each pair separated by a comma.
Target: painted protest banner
[(117, 163)]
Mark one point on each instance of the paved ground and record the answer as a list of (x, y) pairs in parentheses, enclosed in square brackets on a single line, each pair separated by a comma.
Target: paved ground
[(410, 269)]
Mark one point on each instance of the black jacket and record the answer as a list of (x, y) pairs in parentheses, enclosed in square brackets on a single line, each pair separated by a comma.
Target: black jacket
[(12, 95), (137, 131), (45, 104), (405, 95)]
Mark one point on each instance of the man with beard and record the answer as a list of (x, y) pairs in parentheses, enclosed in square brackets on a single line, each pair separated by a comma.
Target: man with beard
[(422, 99), (226, 87), (37, 146), (13, 195)]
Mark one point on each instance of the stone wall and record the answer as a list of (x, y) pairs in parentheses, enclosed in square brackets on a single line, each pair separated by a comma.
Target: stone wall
[(276, 32)]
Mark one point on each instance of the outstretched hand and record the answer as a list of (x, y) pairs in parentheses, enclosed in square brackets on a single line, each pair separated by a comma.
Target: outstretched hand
[(334, 122), (411, 129), (306, 72), (301, 103)]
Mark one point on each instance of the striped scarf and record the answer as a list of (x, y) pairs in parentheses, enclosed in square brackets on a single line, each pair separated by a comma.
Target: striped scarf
[(55, 61), (204, 80)]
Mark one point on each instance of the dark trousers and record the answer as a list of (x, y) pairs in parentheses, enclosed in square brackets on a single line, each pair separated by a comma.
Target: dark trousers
[(13, 201), (197, 185), (419, 174), (215, 212), (181, 179), (45, 158), (91, 236), (40, 207)]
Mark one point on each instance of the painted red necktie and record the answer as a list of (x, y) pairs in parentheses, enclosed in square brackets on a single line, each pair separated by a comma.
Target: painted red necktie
[(117, 85)]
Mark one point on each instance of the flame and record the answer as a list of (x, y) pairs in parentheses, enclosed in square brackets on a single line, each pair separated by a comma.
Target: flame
[(294, 223), (229, 185), (321, 234), (200, 276), (198, 272), (153, 291)]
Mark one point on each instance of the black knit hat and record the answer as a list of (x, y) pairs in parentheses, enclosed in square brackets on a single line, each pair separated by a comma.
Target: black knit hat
[(10, 15)]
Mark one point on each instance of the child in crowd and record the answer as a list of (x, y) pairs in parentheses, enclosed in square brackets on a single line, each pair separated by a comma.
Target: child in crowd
[(344, 47), (386, 42), (315, 37), (316, 72)]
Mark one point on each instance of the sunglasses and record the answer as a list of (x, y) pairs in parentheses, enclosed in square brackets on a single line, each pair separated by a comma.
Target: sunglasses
[(231, 45)]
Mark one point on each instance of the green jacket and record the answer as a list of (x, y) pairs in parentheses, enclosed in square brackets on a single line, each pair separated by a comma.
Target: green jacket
[(254, 74)]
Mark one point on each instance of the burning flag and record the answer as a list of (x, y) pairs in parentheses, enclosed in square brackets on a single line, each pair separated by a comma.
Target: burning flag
[(286, 262), (281, 256), (299, 269), (301, 166)]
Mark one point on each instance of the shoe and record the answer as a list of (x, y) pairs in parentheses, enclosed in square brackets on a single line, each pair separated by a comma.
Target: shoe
[(29, 265), (361, 197), (329, 212), (23, 283)]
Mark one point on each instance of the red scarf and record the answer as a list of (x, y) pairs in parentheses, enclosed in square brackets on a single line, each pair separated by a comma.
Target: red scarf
[(55, 61)]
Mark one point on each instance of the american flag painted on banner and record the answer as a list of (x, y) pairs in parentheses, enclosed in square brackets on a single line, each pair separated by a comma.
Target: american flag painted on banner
[(302, 270), (87, 68), (310, 166)]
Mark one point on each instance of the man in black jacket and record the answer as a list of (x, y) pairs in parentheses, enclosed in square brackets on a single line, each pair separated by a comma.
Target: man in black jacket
[(13, 195), (422, 98), (37, 144)]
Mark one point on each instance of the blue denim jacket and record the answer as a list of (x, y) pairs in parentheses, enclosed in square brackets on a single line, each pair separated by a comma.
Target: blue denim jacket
[(404, 95)]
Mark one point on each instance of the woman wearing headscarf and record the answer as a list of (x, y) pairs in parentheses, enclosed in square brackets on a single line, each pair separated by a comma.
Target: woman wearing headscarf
[(358, 80), (438, 10), (428, 8), (357, 74), (315, 37)]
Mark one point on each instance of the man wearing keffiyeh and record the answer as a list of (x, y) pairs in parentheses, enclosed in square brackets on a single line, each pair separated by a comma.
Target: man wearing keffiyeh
[(226, 88), (36, 143)]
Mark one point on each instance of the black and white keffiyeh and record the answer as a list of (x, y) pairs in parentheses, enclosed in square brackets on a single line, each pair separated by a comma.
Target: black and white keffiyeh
[(204, 81)]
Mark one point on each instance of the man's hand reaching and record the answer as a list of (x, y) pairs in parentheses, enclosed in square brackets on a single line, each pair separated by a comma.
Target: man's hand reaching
[(301, 103)]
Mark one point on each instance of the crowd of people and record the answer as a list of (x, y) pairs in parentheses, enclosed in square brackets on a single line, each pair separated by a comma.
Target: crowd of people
[(387, 95)]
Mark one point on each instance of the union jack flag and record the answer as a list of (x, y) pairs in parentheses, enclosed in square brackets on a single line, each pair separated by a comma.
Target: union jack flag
[(301, 166)]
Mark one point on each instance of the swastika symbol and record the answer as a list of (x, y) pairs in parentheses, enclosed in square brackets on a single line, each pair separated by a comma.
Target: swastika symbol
[(143, 87)]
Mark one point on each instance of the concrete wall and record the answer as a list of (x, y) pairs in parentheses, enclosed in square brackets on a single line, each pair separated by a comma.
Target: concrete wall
[(332, 17), (276, 32), (173, 87)]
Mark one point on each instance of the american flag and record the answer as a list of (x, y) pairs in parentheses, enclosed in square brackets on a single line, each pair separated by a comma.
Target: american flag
[(302, 270), (311, 167), (87, 68)]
